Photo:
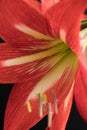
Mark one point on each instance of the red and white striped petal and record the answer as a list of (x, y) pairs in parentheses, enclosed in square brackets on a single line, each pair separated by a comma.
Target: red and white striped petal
[(60, 73), (67, 31), (18, 65), (17, 12), (23, 104)]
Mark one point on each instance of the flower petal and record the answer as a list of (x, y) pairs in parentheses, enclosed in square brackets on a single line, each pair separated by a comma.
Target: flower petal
[(58, 15), (18, 63), (26, 14), (81, 92), (17, 116), (84, 17), (60, 73), (59, 121), (57, 82), (24, 96), (46, 4), (12, 70)]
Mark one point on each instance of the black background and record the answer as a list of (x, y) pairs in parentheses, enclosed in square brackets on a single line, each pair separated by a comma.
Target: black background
[(74, 122)]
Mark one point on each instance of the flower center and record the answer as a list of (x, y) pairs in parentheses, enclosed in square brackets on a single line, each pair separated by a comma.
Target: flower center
[(63, 71), (64, 65)]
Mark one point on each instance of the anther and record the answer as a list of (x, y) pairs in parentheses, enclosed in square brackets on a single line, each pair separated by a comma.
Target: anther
[(29, 106), (54, 101), (44, 98)]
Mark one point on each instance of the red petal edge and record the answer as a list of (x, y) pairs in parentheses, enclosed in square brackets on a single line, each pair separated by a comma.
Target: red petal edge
[(80, 92)]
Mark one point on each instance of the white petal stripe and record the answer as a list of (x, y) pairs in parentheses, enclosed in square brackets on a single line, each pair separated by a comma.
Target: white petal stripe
[(33, 57), (52, 76), (31, 32)]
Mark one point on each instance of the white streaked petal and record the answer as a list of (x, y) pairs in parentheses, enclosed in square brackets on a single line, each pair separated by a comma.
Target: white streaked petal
[(33, 57), (33, 33), (52, 76)]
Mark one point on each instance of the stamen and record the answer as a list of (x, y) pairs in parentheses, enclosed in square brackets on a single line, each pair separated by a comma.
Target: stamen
[(44, 101), (49, 115), (42, 98), (54, 101), (29, 107), (40, 105), (44, 108)]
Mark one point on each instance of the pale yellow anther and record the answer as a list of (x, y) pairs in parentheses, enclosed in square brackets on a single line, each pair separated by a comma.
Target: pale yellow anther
[(29, 106), (44, 98)]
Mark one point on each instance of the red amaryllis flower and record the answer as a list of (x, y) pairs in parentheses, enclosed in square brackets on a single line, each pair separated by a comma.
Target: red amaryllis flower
[(44, 55)]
